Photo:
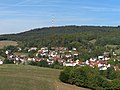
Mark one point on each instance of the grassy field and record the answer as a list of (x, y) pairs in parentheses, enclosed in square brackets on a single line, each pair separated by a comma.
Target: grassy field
[(24, 77), (21, 54), (111, 46), (7, 43)]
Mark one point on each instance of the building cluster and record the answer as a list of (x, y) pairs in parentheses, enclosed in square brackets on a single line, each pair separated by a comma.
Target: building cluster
[(63, 55)]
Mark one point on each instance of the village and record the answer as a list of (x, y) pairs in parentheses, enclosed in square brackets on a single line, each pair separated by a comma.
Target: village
[(63, 55)]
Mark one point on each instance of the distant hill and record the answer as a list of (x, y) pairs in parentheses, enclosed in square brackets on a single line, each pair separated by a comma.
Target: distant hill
[(44, 32), (66, 34)]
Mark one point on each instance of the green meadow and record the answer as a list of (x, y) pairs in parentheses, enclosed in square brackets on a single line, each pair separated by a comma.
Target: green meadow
[(25, 77)]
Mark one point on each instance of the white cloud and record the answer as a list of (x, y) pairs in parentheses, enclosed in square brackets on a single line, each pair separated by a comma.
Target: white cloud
[(30, 2), (23, 2), (102, 9)]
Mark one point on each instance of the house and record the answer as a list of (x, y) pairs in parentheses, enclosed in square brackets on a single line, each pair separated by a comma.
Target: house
[(74, 49), (32, 48), (93, 59), (1, 62), (44, 50), (116, 68), (19, 49), (103, 62), (68, 55), (106, 53), (43, 54), (37, 59), (114, 54), (30, 59), (78, 62), (100, 65), (50, 62), (106, 58), (69, 64), (60, 48), (108, 65), (70, 51), (103, 68), (76, 54), (11, 56), (53, 53), (7, 52), (100, 57), (61, 60)]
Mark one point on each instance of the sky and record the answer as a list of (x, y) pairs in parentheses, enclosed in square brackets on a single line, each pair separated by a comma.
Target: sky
[(22, 15)]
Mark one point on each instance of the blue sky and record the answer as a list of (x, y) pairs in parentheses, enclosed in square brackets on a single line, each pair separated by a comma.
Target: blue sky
[(23, 15)]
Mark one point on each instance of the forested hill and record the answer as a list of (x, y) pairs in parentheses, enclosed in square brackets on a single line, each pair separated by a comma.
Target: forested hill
[(44, 32), (65, 35)]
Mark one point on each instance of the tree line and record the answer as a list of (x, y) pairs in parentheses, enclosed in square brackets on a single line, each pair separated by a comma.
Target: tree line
[(92, 78)]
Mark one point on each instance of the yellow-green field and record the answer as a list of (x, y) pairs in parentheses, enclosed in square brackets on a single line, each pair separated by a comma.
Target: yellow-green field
[(111, 46), (93, 41), (7, 43), (25, 77)]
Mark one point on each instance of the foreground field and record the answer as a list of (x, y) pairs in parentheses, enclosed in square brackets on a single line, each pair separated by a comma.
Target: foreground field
[(7, 43), (21, 77)]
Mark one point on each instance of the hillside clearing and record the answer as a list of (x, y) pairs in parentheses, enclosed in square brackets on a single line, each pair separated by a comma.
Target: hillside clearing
[(7, 43), (21, 54), (111, 46), (25, 77), (93, 41)]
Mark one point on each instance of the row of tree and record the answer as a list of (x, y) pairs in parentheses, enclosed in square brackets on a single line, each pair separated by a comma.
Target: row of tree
[(44, 63)]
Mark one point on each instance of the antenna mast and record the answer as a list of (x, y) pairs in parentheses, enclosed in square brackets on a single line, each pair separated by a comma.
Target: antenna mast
[(52, 21)]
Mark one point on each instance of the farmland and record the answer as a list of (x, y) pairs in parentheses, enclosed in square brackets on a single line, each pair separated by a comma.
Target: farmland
[(25, 77), (7, 43)]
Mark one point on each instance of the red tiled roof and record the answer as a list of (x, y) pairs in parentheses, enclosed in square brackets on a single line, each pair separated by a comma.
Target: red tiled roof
[(116, 67)]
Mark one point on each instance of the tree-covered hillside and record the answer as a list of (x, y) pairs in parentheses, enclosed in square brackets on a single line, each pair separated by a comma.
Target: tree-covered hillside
[(67, 36)]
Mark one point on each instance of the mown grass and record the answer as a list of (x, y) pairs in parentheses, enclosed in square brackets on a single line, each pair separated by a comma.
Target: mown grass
[(25, 77)]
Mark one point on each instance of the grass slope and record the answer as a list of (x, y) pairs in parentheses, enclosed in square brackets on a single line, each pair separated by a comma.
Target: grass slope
[(24, 77), (7, 43)]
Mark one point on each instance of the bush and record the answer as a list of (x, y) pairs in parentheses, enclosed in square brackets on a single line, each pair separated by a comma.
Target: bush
[(64, 75), (7, 61), (43, 63), (58, 67), (33, 63)]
